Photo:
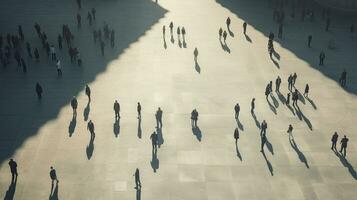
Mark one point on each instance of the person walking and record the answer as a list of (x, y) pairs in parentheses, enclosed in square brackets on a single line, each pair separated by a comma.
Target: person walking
[(137, 179), (306, 93), (236, 110), (88, 92), (294, 79), (309, 39), (334, 141), (138, 109), (236, 135), (245, 28), (74, 105), (158, 116), (344, 142), (116, 109), (53, 175), (59, 68), (290, 131), (53, 53), (224, 36), (90, 127), (290, 82), (194, 118), (228, 22), (288, 99), (39, 91), (13, 170), (252, 106), (322, 58), (263, 128), (277, 84), (154, 141), (195, 53), (171, 26), (220, 32), (295, 97)]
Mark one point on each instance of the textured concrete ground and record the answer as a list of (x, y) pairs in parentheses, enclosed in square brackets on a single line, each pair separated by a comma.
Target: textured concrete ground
[(42, 134)]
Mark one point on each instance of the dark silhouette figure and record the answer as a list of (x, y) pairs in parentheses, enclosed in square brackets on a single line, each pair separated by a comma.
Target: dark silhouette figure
[(197, 67), (13, 170), (183, 31), (236, 134), (306, 92), (300, 154), (138, 109), (290, 82), (294, 79), (322, 58), (74, 105), (290, 131), (344, 142), (194, 118), (37, 55), (154, 141), (220, 33), (137, 179), (54, 192), (171, 26), (158, 117), (295, 98), (277, 84), (343, 78), (263, 127), (10, 193), (334, 141), (154, 161), (90, 127), (53, 175), (245, 28), (224, 36), (309, 40), (116, 109), (139, 129), (252, 106), (236, 110), (263, 142), (72, 126), (39, 91), (88, 92), (228, 22)]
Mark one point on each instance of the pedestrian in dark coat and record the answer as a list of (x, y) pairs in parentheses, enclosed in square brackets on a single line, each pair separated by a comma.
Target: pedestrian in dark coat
[(334, 141)]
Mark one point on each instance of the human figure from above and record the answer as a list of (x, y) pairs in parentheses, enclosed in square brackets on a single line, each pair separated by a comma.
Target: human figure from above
[(59, 68), (53, 53), (220, 32), (294, 79), (343, 78), (344, 142), (137, 179), (267, 91), (306, 92), (290, 82), (290, 131), (138, 109), (263, 128), (245, 28), (288, 99), (277, 84), (163, 30), (263, 141), (228, 22), (74, 105), (236, 135), (21, 33), (183, 31), (309, 40), (90, 127), (334, 140), (236, 110), (171, 26), (88, 92), (158, 116), (39, 90), (116, 109), (195, 53), (178, 32), (295, 97), (154, 141), (13, 170), (194, 118), (53, 175), (224, 36), (322, 58), (252, 106)]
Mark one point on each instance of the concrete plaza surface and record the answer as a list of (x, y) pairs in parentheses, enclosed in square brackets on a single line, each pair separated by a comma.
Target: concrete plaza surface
[(190, 164)]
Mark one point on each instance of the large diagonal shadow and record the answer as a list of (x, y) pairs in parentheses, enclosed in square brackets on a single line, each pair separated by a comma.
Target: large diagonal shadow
[(21, 114), (259, 15)]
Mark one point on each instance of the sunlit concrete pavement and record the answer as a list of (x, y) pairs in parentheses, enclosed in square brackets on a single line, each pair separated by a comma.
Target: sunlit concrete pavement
[(141, 69)]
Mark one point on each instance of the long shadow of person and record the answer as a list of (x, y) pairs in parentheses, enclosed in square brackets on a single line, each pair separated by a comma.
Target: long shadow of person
[(270, 167), (72, 126), (346, 164), (281, 97), (270, 147), (290, 108), (54, 192), (139, 128), (301, 97), (160, 138), (257, 123), (184, 44), (90, 148), (248, 38), (238, 153), (138, 193), (179, 42), (240, 125), (225, 47), (303, 117), (154, 161), (197, 132), (275, 62), (10, 193), (172, 39), (116, 127), (312, 103), (272, 108), (275, 102), (86, 111), (165, 45), (276, 54), (230, 31), (300, 154)]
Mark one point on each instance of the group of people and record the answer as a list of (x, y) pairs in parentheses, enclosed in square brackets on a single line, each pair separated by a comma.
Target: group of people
[(181, 31)]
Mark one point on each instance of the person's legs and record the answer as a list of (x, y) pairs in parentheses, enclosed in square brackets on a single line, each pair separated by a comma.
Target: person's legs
[(344, 151)]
